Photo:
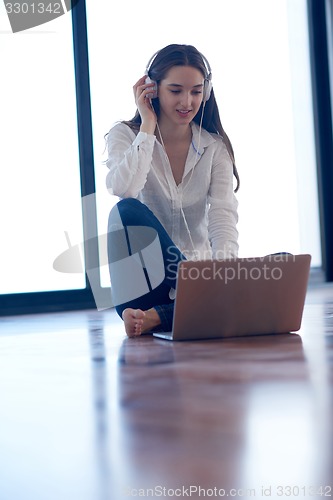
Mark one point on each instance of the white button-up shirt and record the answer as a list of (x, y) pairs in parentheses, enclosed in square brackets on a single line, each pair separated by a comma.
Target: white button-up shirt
[(199, 214)]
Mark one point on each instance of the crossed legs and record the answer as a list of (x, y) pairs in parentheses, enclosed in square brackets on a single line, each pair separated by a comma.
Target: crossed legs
[(131, 229)]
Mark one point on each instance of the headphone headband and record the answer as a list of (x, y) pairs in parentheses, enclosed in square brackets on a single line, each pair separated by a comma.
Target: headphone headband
[(207, 65), (204, 59), (150, 62)]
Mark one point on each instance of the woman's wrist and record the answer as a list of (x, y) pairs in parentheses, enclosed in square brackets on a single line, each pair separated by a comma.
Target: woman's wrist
[(148, 128)]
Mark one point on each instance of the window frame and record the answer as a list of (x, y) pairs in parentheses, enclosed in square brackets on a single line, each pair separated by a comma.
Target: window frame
[(318, 10)]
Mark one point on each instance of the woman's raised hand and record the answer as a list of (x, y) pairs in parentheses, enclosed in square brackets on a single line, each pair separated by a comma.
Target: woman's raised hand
[(148, 117)]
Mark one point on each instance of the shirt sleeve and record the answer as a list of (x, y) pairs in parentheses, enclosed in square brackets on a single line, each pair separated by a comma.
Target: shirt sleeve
[(129, 160), (222, 214)]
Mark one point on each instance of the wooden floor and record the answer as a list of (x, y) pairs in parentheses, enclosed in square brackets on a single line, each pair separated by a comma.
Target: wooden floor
[(86, 414)]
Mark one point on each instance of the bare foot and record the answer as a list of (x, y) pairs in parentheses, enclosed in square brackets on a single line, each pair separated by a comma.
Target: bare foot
[(133, 321), (137, 321)]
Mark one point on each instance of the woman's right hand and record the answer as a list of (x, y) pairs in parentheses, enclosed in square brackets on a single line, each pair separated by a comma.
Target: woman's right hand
[(148, 116)]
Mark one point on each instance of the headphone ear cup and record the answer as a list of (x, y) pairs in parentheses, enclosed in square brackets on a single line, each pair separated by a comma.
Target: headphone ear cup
[(207, 88), (153, 94)]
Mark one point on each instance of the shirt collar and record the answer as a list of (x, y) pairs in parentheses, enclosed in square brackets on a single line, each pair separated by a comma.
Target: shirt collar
[(200, 140)]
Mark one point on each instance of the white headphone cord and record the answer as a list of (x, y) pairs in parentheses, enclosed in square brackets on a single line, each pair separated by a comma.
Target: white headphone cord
[(197, 153), (197, 150)]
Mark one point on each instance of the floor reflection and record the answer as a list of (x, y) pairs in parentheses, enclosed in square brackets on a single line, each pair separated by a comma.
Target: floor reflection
[(145, 351), (100, 395), (185, 420)]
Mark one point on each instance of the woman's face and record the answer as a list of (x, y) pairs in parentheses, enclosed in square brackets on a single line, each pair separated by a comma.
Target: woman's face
[(180, 94)]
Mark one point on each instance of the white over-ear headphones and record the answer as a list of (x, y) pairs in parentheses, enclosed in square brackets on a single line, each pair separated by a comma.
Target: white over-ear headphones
[(208, 84), (208, 80)]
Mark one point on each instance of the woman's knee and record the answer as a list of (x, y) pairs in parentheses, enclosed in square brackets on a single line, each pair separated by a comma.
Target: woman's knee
[(128, 204), (120, 210), (129, 211)]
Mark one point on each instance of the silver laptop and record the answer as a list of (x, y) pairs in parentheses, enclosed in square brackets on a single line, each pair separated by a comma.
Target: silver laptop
[(239, 297)]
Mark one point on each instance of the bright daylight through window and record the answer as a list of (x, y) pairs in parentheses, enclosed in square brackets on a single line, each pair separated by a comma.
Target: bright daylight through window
[(259, 56)]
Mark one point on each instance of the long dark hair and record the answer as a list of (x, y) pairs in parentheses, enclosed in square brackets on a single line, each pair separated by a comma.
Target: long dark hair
[(187, 55)]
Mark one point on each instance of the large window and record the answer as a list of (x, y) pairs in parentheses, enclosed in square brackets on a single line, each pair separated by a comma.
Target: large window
[(40, 202), (259, 56)]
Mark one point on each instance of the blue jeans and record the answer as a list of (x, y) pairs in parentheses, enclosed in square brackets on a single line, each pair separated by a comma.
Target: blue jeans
[(124, 241)]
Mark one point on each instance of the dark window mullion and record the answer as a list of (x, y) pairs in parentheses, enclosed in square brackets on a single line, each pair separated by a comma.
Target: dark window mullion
[(323, 126)]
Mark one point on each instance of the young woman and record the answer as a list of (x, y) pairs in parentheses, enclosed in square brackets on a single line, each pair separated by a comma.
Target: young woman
[(173, 167)]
